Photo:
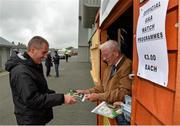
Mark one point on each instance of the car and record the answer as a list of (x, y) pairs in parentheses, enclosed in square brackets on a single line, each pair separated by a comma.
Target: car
[(62, 56)]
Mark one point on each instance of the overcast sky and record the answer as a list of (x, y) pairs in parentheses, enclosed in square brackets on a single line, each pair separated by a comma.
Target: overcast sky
[(55, 20)]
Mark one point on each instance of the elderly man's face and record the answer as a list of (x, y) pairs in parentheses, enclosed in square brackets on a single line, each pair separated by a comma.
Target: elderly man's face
[(108, 56)]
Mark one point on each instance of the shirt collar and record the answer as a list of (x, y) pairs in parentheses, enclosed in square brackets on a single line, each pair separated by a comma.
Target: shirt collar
[(118, 61)]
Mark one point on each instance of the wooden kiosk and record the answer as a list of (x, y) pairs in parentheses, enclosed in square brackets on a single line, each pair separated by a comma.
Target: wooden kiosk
[(151, 103)]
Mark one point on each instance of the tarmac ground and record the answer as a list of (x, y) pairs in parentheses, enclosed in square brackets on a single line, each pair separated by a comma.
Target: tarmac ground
[(73, 75)]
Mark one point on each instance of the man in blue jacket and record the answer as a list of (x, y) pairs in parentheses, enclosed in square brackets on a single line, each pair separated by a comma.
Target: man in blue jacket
[(33, 100)]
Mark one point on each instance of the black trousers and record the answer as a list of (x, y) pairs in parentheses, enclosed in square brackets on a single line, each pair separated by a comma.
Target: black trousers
[(48, 70), (29, 120)]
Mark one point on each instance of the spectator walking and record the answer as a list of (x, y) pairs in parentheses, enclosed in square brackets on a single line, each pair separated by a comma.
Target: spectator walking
[(56, 60), (48, 64)]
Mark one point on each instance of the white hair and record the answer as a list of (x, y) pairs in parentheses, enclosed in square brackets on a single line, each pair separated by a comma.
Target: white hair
[(111, 45)]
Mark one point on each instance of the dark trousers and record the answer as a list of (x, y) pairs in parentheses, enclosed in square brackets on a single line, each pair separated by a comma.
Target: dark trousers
[(57, 69), (66, 56), (48, 70), (29, 120), (120, 119)]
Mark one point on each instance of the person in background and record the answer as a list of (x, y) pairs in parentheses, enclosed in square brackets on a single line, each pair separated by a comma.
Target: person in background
[(48, 64), (14, 52), (33, 100), (115, 83), (56, 60), (66, 55)]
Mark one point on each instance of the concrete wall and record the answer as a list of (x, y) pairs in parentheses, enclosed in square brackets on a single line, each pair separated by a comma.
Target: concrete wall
[(4, 56), (83, 47), (83, 54)]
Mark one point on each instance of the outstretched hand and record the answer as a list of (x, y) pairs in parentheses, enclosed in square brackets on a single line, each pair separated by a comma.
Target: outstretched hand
[(92, 97), (69, 99), (82, 91)]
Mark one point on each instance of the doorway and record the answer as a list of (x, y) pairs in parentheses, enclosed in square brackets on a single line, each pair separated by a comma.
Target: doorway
[(122, 31)]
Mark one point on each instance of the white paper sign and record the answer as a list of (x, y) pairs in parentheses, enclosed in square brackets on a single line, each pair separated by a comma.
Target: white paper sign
[(151, 42)]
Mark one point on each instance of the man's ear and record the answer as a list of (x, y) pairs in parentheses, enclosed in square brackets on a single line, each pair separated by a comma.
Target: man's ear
[(115, 54), (32, 50)]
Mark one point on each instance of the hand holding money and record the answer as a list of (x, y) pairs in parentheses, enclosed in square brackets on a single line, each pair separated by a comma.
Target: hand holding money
[(69, 99)]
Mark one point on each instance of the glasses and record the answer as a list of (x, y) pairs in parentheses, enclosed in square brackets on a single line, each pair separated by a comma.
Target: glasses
[(107, 57)]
